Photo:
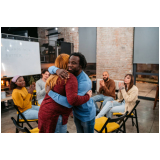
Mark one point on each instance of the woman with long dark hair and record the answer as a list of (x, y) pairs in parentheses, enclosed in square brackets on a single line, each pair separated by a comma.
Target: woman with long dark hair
[(22, 97), (127, 96)]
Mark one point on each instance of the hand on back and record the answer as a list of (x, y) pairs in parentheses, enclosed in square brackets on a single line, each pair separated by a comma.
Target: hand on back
[(89, 93), (48, 88), (62, 73)]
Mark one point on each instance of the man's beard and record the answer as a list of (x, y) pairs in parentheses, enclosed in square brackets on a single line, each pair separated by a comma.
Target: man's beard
[(105, 79)]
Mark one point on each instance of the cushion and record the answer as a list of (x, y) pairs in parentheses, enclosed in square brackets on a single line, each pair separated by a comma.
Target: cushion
[(34, 130), (99, 122)]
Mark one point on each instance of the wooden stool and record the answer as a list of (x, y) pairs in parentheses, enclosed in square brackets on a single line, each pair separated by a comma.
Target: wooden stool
[(157, 97)]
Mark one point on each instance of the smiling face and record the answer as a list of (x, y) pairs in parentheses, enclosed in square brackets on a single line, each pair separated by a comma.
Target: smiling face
[(127, 79), (73, 65), (20, 82), (45, 75), (105, 76)]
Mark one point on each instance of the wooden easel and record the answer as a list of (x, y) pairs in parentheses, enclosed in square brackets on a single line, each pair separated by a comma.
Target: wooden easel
[(157, 97)]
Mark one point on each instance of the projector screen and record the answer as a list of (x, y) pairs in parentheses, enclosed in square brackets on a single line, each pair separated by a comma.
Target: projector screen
[(146, 45), (88, 43), (19, 58)]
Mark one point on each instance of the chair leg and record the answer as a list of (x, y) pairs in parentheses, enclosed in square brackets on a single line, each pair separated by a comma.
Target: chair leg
[(17, 130), (156, 97), (100, 106), (124, 127), (155, 102), (136, 121), (132, 121)]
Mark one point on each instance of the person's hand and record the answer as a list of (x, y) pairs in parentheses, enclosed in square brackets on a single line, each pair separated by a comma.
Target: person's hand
[(119, 85), (31, 89), (48, 88), (122, 85), (34, 84), (102, 83), (62, 73), (89, 93)]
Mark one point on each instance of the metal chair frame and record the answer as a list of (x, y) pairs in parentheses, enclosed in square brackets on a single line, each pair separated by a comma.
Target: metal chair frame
[(134, 116), (120, 121), (18, 127), (25, 120)]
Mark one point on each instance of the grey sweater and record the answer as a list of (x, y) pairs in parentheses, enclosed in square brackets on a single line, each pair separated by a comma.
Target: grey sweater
[(40, 89)]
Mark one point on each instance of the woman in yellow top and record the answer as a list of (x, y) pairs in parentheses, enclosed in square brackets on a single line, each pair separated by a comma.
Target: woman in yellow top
[(22, 98)]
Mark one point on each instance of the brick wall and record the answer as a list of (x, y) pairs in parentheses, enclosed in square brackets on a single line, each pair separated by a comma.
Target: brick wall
[(114, 51), (42, 32), (70, 36)]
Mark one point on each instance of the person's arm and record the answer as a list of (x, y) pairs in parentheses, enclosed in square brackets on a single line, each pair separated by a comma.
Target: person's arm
[(62, 73), (52, 69), (71, 99), (18, 100), (62, 100), (129, 97), (120, 97), (100, 90), (72, 92), (40, 92), (109, 90)]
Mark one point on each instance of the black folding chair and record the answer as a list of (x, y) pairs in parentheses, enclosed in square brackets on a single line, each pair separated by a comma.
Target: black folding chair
[(132, 115), (110, 125), (24, 130), (24, 120)]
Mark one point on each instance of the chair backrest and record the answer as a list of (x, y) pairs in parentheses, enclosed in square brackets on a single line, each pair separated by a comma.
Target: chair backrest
[(16, 107), (19, 113), (120, 118), (137, 102), (19, 127)]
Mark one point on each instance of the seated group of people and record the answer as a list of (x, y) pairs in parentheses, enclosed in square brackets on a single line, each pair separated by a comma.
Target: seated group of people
[(68, 89)]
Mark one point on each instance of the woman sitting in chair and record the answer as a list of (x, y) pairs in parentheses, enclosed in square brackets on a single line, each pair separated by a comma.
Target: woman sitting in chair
[(22, 98), (127, 96)]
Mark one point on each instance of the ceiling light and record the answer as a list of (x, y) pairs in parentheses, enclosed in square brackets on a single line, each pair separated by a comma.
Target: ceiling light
[(56, 28), (72, 29)]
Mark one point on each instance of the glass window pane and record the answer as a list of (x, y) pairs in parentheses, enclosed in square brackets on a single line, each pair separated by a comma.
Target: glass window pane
[(148, 68), (147, 85)]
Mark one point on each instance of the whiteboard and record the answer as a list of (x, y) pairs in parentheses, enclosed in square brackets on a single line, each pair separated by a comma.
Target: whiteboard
[(19, 58)]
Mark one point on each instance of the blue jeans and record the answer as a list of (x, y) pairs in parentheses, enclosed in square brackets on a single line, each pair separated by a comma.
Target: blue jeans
[(59, 127), (31, 113), (84, 127), (111, 107), (103, 98)]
